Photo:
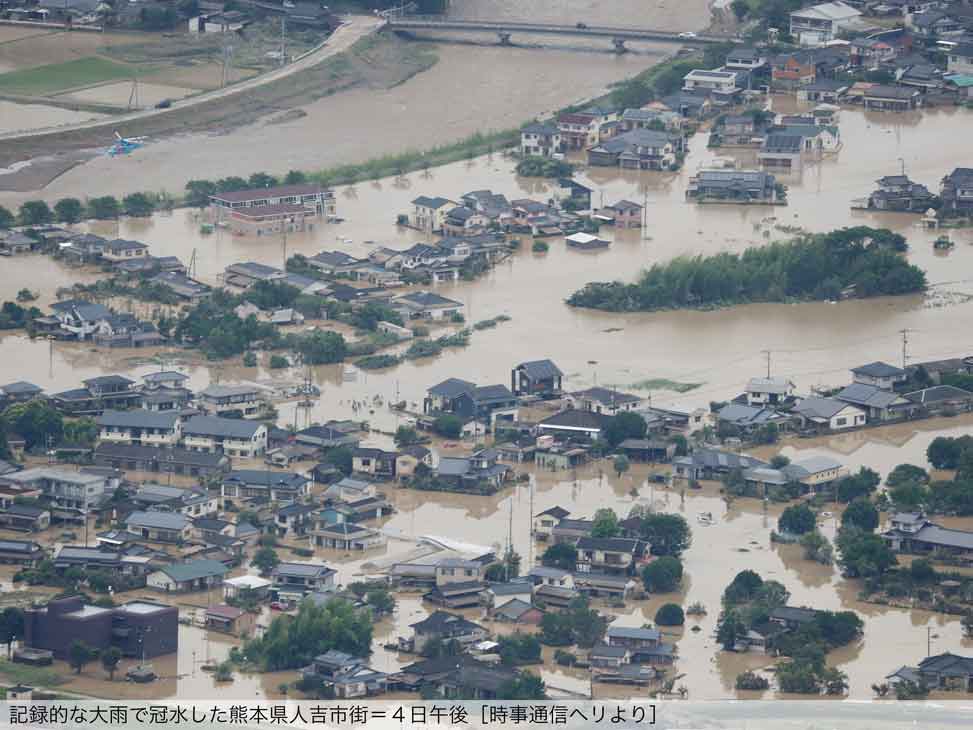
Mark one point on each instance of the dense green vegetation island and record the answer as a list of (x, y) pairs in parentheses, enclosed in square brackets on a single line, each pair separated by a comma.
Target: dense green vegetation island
[(849, 262)]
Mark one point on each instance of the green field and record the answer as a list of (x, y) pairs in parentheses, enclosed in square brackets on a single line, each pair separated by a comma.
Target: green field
[(54, 77)]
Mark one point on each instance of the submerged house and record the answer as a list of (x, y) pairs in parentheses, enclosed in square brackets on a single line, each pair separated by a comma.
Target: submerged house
[(733, 186), (640, 149), (898, 193)]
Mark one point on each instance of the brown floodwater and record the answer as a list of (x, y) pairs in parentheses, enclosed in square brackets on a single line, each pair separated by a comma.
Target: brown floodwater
[(812, 343), (661, 14)]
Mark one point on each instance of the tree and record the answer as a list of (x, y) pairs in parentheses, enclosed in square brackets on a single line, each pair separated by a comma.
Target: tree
[(621, 464), (265, 560), (68, 210), (750, 680), (34, 213), (526, 686), (944, 452), (817, 548), (293, 641), (80, 654), (624, 425), (797, 519), (278, 362), (922, 571), (779, 461), (448, 426), (406, 436), (380, 600), (605, 523), (906, 474), (105, 207), (6, 218), (37, 421), (857, 485), (743, 587), (198, 192), (662, 575), (505, 570), (138, 205), (861, 514), (341, 458), (631, 94), (561, 555), (295, 177), (519, 648), (730, 629), (109, 660), (967, 623), (668, 534), (11, 626), (262, 180), (863, 554), (670, 614)]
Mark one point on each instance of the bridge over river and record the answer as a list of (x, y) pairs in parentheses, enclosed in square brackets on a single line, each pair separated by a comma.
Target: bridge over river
[(506, 29)]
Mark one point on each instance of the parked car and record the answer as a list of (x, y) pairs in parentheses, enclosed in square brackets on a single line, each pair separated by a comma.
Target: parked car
[(687, 34), (581, 26)]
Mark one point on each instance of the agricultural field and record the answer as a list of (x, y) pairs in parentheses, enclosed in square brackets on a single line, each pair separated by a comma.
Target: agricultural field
[(49, 79)]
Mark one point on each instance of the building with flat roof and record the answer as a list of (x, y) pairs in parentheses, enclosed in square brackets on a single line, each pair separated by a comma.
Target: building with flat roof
[(140, 628)]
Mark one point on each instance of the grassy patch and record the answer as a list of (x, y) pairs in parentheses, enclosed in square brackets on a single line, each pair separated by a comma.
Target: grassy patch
[(664, 384), (59, 76), (412, 160), (31, 676)]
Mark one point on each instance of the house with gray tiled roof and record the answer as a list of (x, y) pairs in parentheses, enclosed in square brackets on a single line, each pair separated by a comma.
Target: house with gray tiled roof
[(429, 213), (140, 427), (159, 526), (229, 436), (193, 575)]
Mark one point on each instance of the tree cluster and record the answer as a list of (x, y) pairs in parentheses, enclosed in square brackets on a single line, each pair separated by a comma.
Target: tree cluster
[(293, 641), (861, 261), (577, 624)]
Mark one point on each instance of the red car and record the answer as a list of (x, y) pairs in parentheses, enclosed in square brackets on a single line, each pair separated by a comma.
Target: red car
[(280, 606)]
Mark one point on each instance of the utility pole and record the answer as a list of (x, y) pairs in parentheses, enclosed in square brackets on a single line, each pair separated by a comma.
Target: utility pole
[(283, 27), (767, 357), (929, 637), (905, 346), (283, 240)]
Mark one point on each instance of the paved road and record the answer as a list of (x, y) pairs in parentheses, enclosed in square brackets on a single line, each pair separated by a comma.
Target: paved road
[(355, 28)]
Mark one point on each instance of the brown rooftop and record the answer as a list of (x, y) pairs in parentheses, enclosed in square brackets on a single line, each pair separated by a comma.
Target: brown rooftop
[(263, 211), (281, 191)]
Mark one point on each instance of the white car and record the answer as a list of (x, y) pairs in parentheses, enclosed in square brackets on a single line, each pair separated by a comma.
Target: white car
[(687, 34)]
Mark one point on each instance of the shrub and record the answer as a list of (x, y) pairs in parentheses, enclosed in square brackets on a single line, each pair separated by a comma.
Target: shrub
[(670, 614), (278, 361)]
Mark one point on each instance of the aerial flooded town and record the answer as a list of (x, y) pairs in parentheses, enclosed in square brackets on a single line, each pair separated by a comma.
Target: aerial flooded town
[(472, 350)]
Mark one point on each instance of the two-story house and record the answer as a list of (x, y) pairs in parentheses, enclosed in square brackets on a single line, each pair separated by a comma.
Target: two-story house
[(459, 583), (78, 317), (229, 436), (276, 486), (957, 192), (140, 427), (71, 493), (429, 213), (880, 374), (376, 463), (615, 555), (769, 391), (121, 250), (640, 149), (540, 140), (820, 24), (540, 378), (544, 522), (235, 401), (445, 627), (296, 580)]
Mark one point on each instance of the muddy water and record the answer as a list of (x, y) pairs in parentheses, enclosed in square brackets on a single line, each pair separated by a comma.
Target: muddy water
[(812, 343), (663, 15), (438, 106)]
